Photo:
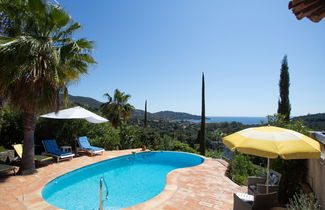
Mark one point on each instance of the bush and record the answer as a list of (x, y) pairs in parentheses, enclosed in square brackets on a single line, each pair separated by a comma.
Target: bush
[(166, 143), (2, 149), (11, 129), (149, 138), (128, 138), (214, 154), (239, 168), (104, 135), (179, 146), (304, 202)]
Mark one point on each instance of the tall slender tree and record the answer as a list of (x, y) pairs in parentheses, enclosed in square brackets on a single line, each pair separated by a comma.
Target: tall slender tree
[(145, 115), (38, 59), (284, 106), (117, 109), (202, 131)]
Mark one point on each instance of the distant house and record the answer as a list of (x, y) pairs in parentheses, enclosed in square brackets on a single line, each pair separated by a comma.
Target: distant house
[(312, 9)]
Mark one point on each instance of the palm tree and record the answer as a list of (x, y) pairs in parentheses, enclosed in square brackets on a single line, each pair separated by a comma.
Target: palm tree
[(38, 59), (117, 110)]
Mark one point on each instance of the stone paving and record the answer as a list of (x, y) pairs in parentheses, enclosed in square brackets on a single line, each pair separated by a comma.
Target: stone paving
[(200, 187)]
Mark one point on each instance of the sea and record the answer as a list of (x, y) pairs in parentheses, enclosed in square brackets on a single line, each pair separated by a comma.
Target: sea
[(243, 120)]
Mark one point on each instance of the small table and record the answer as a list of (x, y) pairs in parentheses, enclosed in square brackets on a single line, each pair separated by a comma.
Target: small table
[(66, 148)]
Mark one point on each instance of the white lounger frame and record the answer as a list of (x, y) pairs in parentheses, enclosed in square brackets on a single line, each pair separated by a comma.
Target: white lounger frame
[(59, 157), (91, 152)]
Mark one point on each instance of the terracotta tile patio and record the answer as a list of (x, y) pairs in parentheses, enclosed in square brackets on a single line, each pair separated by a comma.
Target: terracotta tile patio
[(199, 187)]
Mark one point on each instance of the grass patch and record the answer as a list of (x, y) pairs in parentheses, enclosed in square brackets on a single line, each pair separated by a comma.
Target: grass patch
[(2, 149)]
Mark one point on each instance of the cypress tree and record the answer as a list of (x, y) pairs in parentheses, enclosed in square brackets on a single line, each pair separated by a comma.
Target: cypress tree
[(284, 106), (145, 114), (202, 131)]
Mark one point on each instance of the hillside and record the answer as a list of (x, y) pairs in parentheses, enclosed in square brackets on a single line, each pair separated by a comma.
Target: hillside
[(138, 113), (314, 121), (81, 100), (93, 103), (176, 115)]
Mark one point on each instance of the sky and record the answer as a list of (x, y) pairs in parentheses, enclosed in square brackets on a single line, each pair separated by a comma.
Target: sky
[(156, 50)]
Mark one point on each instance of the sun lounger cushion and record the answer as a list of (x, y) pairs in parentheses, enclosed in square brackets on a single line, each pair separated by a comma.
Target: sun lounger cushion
[(41, 158), (52, 147), (38, 158), (273, 179), (4, 167), (245, 197), (84, 144)]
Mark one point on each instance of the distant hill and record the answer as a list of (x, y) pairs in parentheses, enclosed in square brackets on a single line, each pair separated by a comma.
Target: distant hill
[(169, 115), (93, 103), (138, 113), (81, 100), (314, 121)]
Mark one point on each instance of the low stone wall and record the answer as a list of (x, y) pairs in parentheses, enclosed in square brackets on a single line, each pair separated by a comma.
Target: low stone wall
[(7, 156)]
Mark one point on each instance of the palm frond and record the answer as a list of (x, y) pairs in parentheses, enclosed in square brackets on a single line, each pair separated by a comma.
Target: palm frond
[(67, 32), (38, 56), (59, 17), (36, 6)]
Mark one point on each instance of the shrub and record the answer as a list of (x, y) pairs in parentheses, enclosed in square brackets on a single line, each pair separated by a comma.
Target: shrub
[(2, 149), (105, 136), (11, 130), (214, 154), (240, 167), (179, 146), (149, 138), (304, 202), (128, 138), (166, 143)]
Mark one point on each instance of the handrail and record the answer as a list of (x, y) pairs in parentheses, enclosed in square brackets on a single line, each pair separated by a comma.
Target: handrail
[(101, 181)]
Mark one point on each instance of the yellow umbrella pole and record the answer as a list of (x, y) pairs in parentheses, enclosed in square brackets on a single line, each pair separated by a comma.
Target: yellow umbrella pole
[(267, 175)]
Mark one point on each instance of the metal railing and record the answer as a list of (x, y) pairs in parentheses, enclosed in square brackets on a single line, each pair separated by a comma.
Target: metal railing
[(101, 181)]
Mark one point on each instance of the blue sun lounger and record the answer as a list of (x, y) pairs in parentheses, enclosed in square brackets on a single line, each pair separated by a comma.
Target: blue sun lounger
[(86, 147), (5, 168), (52, 149)]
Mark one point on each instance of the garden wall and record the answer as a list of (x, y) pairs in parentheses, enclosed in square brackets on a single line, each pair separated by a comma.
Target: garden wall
[(316, 170)]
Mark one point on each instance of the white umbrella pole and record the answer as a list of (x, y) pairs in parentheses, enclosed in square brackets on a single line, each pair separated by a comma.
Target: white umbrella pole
[(267, 175)]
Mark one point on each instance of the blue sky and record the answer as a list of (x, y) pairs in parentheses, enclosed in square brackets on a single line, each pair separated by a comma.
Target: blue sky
[(158, 49)]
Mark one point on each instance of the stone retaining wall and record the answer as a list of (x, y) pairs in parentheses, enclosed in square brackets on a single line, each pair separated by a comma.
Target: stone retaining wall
[(7, 156)]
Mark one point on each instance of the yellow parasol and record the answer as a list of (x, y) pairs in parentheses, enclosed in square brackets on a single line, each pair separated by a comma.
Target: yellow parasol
[(272, 142)]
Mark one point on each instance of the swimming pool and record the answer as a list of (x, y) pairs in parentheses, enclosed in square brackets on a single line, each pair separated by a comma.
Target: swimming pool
[(130, 179)]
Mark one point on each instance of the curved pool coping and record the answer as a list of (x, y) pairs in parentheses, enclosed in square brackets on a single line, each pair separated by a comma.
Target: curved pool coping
[(24, 192), (169, 189)]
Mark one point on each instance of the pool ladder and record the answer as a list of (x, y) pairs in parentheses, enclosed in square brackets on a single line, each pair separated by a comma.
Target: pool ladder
[(101, 181)]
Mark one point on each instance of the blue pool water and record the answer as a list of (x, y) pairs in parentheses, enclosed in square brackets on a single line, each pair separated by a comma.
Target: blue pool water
[(130, 179)]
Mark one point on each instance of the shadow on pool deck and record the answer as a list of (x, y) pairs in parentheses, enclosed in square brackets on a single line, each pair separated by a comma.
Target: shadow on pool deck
[(200, 187)]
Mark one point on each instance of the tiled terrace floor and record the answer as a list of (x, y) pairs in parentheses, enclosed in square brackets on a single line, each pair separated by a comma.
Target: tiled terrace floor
[(199, 187)]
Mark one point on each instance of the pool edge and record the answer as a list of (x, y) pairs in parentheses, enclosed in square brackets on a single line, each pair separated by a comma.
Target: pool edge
[(170, 188)]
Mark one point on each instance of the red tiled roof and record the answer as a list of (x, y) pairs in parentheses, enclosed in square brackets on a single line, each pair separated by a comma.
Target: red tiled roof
[(312, 9)]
